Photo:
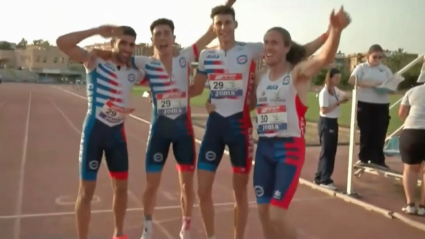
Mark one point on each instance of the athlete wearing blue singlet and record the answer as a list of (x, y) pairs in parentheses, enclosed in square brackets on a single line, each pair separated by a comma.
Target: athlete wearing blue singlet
[(109, 83)]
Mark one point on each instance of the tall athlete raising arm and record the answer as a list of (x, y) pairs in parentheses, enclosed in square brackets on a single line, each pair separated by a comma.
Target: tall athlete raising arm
[(281, 96), (168, 79), (109, 83), (230, 71)]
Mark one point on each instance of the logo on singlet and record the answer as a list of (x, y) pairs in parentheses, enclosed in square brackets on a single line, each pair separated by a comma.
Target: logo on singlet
[(131, 78), (182, 62), (109, 66), (286, 80), (242, 59), (156, 63), (213, 56), (272, 87)]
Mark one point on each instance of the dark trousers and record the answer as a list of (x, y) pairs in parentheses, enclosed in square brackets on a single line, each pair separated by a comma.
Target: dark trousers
[(373, 121), (328, 133)]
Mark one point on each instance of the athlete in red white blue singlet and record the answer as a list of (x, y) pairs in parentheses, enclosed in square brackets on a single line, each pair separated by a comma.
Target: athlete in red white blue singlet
[(281, 96), (109, 84), (230, 71)]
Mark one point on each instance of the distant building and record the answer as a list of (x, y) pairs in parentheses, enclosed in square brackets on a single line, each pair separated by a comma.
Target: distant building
[(41, 61)]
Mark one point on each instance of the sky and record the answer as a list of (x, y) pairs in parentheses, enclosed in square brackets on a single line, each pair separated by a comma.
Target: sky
[(391, 23)]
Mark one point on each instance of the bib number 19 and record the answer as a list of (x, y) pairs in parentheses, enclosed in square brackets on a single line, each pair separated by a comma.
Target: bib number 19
[(165, 104)]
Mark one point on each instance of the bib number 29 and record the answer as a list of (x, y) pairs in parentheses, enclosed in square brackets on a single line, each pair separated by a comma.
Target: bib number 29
[(111, 112), (218, 85), (264, 119), (165, 104)]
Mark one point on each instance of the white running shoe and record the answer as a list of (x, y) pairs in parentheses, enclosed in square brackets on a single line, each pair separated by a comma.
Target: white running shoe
[(421, 210), (409, 209), (330, 186), (185, 234), (147, 230)]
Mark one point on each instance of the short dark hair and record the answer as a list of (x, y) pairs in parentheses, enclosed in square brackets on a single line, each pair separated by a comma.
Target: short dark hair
[(162, 21), (223, 10), (297, 53), (128, 31), (375, 48)]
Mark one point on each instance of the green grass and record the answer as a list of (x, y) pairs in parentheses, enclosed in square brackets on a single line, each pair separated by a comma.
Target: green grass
[(313, 108)]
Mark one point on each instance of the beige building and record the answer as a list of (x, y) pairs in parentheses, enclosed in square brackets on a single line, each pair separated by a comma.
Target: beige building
[(141, 49), (357, 58), (38, 59)]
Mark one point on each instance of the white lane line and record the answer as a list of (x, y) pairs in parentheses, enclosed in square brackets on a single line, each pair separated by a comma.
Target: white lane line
[(19, 200), (161, 208)]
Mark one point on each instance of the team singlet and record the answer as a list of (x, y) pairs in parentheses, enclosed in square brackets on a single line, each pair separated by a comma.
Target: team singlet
[(169, 92), (229, 75), (108, 91), (280, 112)]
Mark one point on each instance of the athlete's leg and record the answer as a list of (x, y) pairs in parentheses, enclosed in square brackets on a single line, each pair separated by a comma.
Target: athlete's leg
[(156, 155), (241, 151), (116, 156), (209, 158), (289, 156), (184, 152), (264, 175), (90, 157)]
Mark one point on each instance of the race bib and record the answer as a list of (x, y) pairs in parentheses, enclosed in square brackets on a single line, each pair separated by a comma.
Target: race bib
[(114, 114), (271, 119), (174, 103), (225, 85)]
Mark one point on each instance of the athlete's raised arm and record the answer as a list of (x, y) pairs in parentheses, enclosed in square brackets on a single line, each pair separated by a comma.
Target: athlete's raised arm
[(315, 45), (68, 43), (308, 68)]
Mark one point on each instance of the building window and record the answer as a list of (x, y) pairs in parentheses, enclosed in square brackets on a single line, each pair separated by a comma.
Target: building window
[(38, 59), (55, 60), (45, 59)]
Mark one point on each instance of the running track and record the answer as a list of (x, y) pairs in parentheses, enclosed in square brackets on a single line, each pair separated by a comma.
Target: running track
[(39, 142)]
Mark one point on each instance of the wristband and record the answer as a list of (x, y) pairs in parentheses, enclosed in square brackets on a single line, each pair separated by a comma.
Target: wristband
[(324, 37)]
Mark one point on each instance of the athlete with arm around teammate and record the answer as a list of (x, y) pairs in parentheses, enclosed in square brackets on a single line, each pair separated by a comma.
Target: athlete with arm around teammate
[(109, 83), (230, 70), (281, 96)]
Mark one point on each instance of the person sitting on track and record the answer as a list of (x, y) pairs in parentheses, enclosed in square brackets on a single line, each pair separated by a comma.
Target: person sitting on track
[(281, 98), (108, 88), (330, 97), (372, 105), (168, 79), (411, 145), (230, 71)]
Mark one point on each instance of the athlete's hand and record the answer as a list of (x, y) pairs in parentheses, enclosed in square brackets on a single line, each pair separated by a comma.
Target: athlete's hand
[(150, 97), (210, 107), (230, 3), (340, 20), (108, 31)]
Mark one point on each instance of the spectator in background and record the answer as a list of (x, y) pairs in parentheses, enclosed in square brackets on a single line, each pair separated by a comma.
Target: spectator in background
[(330, 97), (373, 116), (412, 150)]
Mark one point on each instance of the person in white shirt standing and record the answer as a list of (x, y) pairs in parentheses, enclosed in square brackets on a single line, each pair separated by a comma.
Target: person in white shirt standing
[(330, 97), (412, 150), (373, 116)]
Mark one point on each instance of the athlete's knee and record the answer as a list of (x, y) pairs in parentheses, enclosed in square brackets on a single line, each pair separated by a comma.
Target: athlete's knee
[(152, 182), (205, 182), (86, 191), (120, 187), (264, 212), (186, 186), (277, 214), (240, 183)]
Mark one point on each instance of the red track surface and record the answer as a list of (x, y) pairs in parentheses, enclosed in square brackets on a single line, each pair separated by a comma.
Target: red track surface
[(39, 175)]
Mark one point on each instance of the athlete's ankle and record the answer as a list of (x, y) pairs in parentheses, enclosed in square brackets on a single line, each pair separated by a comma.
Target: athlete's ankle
[(186, 223)]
